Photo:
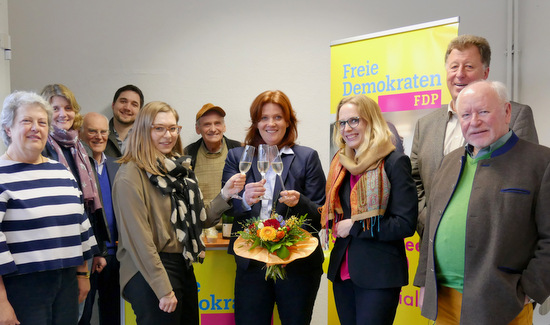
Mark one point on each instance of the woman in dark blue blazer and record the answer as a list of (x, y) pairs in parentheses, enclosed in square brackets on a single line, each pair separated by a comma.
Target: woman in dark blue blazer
[(371, 207), (274, 123)]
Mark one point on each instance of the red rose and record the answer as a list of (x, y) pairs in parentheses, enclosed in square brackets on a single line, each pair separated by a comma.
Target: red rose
[(272, 223)]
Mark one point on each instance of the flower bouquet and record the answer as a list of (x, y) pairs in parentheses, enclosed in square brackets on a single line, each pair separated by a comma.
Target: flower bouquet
[(276, 242)]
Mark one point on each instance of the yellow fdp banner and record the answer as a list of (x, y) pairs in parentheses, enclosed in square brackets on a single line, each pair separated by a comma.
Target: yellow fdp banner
[(404, 71)]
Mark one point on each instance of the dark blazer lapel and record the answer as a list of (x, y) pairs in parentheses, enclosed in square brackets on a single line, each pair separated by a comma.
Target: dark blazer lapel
[(112, 169), (287, 162)]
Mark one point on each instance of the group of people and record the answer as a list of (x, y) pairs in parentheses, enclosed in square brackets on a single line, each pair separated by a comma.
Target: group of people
[(118, 206)]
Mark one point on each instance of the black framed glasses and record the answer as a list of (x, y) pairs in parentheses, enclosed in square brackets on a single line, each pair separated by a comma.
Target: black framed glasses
[(353, 122)]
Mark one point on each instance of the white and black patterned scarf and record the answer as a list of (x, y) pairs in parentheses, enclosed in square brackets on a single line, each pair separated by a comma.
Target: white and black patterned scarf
[(188, 211)]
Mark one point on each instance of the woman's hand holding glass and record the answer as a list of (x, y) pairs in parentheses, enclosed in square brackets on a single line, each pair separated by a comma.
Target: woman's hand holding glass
[(233, 186), (244, 165), (291, 197), (253, 192)]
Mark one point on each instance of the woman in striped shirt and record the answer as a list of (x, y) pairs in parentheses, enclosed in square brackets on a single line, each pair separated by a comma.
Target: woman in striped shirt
[(45, 238)]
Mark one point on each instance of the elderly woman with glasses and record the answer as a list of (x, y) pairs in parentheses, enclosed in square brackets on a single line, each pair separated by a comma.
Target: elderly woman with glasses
[(160, 216), (45, 237), (371, 207)]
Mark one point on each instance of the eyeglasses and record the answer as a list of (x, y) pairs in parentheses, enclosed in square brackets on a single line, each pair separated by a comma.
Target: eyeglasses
[(161, 129), (93, 132), (353, 122)]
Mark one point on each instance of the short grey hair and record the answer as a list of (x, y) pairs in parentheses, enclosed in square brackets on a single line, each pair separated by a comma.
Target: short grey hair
[(498, 87), (13, 102)]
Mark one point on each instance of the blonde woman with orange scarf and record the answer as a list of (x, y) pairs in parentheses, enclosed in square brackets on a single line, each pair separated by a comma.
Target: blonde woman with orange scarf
[(371, 206)]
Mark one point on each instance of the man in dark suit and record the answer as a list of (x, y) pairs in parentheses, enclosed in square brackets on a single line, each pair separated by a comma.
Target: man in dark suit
[(127, 102), (485, 254), (105, 274), (467, 60)]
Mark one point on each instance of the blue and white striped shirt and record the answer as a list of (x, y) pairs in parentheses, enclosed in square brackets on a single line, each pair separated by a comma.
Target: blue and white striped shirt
[(42, 221)]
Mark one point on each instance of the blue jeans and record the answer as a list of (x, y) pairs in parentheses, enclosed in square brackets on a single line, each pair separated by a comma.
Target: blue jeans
[(49, 297)]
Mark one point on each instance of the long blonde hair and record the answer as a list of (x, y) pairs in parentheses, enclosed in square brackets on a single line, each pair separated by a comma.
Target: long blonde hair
[(377, 130), (140, 148)]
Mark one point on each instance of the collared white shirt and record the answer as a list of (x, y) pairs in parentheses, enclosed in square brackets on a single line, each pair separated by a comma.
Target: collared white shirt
[(99, 166), (271, 178), (453, 133)]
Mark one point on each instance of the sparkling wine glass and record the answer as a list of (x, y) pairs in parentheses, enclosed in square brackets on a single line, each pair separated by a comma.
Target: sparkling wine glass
[(263, 161), (245, 163), (277, 164)]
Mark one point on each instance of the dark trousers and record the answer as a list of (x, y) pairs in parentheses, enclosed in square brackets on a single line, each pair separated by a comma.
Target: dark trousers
[(107, 286), (146, 304), (255, 297), (46, 298), (356, 305)]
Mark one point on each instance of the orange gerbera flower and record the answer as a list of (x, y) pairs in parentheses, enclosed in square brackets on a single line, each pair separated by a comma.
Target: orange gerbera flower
[(268, 233)]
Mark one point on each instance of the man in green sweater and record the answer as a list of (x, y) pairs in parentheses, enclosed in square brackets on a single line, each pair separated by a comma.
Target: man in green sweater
[(485, 254)]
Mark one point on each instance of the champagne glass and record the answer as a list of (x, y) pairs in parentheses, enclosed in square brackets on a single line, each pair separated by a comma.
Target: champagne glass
[(263, 161), (277, 164), (245, 163), (246, 159)]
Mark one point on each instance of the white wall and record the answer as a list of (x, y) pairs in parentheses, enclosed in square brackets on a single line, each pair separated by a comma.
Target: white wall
[(4, 64), (188, 53), (534, 55)]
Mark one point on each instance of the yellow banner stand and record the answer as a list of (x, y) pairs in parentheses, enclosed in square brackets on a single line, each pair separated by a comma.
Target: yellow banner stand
[(404, 71)]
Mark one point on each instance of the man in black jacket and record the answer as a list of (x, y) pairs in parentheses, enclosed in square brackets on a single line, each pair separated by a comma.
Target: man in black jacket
[(127, 102)]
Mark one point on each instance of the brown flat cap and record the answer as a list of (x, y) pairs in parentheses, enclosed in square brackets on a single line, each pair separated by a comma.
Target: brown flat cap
[(207, 108)]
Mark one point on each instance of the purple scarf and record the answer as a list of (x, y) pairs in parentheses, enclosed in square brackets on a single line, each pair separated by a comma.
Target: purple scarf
[(69, 139)]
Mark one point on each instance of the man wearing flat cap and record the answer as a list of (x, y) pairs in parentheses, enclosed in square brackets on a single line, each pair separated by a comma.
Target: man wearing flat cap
[(209, 152)]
